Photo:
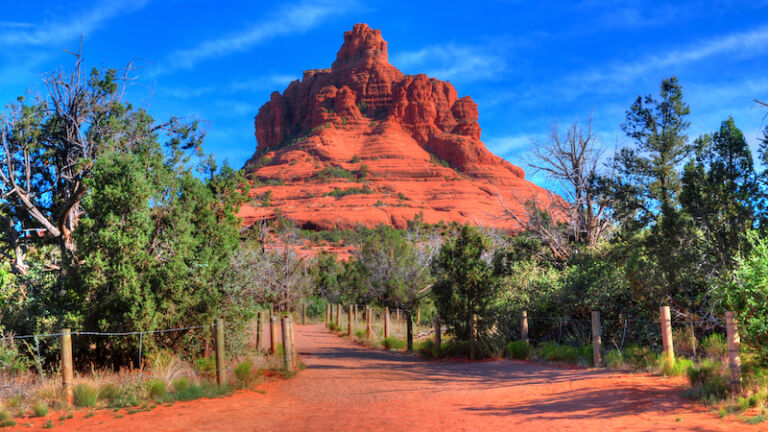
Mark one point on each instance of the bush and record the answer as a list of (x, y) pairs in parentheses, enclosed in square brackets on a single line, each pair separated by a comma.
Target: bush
[(205, 364), (118, 397), (518, 350), (244, 374), (11, 361), (707, 381), (552, 351), (85, 395), (181, 384), (393, 344), (40, 409), (641, 358), (202, 390), (746, 295), (676, 367), (426, 348), (715, 346), (5, 419), (156, 388), (454, 348), (613, 359)]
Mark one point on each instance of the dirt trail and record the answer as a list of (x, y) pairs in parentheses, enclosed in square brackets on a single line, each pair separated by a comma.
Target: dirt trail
[(346, 387)]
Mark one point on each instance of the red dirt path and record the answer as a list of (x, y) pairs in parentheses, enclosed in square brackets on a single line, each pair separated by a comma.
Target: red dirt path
[(346, 387)]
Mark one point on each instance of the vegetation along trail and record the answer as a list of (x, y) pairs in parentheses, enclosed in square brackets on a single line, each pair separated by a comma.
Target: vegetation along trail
[(347, 387)]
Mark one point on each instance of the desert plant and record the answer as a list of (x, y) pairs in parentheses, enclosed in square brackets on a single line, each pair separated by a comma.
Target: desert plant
[(674, 367), (85, 395), (715, 346), (156, 388), (40, 409), (613, 359), (518, 350), (5, 419), (244, 374), (181, 384), (205, 364), (392, 344), (708, 382), (166, 366)]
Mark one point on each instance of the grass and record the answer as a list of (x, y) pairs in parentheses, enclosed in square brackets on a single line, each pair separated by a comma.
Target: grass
[(518, 350), (613, 359), (181, 384), (674, 367), (40, 409), (48, 425), (156, 388), (245, 374), (708, 381), (6, 419), (392, 344), (554, 352), (85, 395)]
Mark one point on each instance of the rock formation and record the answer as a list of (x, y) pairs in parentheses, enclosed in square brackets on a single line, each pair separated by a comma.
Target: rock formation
[(363, 143)]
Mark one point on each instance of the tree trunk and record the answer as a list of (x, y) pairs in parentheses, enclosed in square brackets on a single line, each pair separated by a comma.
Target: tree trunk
[(409, 330)]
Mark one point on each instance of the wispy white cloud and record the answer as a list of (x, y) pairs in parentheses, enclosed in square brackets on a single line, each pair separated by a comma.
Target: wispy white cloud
[(262, 83), (610, 77), (296, 18), (70, 27), (452, 62)]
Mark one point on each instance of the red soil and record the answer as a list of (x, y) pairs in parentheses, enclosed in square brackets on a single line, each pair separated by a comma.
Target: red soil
[(347, 387), (365, 112)]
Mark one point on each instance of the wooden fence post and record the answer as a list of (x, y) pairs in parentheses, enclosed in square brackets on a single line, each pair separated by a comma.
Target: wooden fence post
[(259, 331), (666, 334), (327, 314), (597, 356), (356, 316), (418, 315), (524, 327), (221, 360), (304, 314), (67, 371), (272, 334), (350, 320), (368, 330), (397, 314), (473, 337), (287, 349), (437, 335), (293, 341), (734, 357), (338, 315), (386, 322)]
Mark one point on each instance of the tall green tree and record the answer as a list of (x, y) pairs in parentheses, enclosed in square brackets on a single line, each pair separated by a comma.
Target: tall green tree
[(646, 188), (720, 192), (466, 284)]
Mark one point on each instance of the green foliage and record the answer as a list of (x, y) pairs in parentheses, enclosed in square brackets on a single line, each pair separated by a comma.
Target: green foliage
[(5, 419), (11, 361), (40, 409), (551, 351), (677, 367), (332, 172), (181, 384), (437, 161), (245, 374), (708, 382), (715, 346), (266, 199), (747, 295), (156, 388), (338, 193), (518, 350), (355, 159), (613, 359), (202, 390), (392, 344), (205, 364), (85, 395), (465, 283)]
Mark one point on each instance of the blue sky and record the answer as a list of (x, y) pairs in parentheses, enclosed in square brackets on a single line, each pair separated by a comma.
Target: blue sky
[(526, 64)]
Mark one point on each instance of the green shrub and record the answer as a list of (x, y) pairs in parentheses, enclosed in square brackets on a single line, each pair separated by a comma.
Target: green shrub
[(518, 350), (118, 397), (425, 348), (11, 361), (454, 348), (205, 364), (181, 384), (48, 425), (360, 334), (613, 359), (393, 343), (156, 388), (674, 367), (552, 351), (202, 390), (40, 409), (244, 374), (707, 380), (715, 345), (641, 358), (85, 395), (6, 419)]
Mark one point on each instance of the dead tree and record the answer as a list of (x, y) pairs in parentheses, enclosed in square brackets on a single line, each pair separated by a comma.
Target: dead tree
[(579, 215)]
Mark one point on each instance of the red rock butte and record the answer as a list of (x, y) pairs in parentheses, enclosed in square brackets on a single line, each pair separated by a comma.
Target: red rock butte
[(362, 143)]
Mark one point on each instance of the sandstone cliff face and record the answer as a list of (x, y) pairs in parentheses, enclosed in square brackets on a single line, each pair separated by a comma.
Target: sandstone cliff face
[(363, 143)]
